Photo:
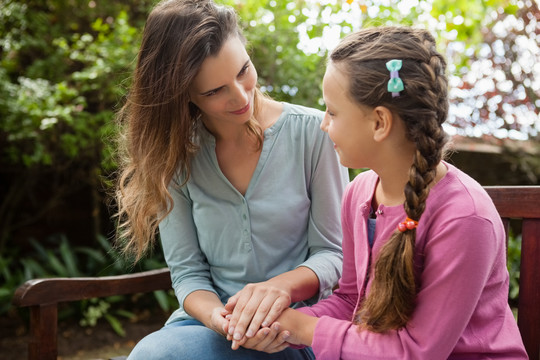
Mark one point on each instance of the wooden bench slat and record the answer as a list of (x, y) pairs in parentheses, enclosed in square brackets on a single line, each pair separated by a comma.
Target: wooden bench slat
[(516, 201)]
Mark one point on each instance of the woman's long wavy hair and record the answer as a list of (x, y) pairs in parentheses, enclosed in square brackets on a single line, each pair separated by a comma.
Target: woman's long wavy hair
[(158, 122), (423, 107)]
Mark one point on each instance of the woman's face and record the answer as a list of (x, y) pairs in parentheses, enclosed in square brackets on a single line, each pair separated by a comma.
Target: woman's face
[(224, 88)]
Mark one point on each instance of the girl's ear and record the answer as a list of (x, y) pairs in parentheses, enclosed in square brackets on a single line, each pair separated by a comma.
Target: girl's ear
[(383, 123)]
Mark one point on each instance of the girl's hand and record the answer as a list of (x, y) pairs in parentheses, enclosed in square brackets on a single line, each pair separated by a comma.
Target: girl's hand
[(267, 339), (255, 306), (219, 322)]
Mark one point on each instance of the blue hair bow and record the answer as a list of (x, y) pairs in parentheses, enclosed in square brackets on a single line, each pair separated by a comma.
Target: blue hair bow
[(395, 84)]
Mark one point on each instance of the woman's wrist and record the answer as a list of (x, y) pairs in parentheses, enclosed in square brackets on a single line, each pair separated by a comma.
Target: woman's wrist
[(301, 283)]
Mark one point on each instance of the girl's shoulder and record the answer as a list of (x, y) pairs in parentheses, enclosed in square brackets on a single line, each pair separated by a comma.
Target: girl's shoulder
[(462, 193)]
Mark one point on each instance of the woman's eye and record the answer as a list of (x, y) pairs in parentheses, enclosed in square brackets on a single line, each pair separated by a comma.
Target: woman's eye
[(244, 70), (212, 92)]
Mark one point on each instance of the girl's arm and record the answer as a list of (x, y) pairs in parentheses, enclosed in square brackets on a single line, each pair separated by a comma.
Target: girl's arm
[(292, 328), (300, 327), (460, 258)]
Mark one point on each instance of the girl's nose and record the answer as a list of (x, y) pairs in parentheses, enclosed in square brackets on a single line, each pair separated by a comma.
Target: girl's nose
[(325, 122)]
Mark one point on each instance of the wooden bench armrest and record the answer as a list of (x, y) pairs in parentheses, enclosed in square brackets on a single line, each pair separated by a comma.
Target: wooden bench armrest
[(43, 295), (55, 290)]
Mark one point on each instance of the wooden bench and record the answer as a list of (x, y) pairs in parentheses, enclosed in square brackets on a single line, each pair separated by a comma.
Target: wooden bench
[(43, 295)]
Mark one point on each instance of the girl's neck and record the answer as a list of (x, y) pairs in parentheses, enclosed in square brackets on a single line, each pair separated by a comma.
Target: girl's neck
[(390, 187), (389, 192)]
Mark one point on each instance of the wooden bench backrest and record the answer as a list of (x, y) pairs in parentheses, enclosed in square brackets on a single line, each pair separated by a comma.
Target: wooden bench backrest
[(516, 202), (43, 295)]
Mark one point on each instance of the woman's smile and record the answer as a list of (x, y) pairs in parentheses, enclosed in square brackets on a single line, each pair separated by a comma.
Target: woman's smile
[(242, 110)]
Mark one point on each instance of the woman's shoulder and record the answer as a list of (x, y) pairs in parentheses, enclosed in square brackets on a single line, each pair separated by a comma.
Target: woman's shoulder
[(301, 111), (300, 120)]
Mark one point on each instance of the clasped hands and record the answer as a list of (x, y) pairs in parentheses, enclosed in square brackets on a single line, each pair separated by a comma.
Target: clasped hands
[(249, 318)]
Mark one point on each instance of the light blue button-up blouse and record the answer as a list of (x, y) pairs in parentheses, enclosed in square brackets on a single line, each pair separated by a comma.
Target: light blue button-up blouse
[(218, 240)]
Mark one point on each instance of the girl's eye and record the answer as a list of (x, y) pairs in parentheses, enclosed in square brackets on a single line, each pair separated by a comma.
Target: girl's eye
[(329, 113)]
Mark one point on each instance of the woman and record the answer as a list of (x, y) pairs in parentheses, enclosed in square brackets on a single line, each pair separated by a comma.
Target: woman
[(245, 190)]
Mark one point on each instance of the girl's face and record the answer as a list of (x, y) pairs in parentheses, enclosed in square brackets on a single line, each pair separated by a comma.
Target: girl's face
[(224, 88), (346, 122)]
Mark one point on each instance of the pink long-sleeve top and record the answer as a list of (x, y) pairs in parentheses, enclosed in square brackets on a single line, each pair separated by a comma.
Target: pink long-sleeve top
[(462, 307)]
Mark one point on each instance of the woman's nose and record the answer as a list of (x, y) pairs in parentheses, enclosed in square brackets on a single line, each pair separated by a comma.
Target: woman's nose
[(239, 94)]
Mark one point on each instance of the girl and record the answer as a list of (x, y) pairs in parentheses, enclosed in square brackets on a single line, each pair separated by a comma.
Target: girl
[(245, 190), (424, 272)]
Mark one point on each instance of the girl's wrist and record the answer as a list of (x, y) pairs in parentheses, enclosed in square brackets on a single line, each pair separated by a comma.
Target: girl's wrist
[(300, 325)]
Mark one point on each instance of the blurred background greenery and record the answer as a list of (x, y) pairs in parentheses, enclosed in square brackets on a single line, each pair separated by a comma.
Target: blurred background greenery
[(65, 66)]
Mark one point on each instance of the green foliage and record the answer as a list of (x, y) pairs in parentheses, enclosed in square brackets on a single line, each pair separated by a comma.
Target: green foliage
[(513, 262), (271, 28), (95, 309), (58, 258), (63, 70), (48, 120)]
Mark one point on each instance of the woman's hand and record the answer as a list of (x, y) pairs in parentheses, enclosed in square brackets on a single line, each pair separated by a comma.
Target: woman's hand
[(255, 306), (267, 339), (206, 307)]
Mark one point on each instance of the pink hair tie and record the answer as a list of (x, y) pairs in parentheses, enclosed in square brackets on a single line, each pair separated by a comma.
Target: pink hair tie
[(408, 224)]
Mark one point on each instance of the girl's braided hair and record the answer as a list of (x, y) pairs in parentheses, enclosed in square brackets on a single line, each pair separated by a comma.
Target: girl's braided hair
[(423, 107)]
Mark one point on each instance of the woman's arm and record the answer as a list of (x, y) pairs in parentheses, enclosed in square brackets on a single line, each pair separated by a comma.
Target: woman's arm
[(190, 271), (206, 307)]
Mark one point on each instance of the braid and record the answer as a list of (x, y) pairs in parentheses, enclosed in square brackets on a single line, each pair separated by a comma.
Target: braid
[(423, 107)]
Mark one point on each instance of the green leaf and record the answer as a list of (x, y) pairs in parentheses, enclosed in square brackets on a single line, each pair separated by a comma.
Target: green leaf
[(127, 314), (56, 264), (162, 299), (69, 258), (115, 324)]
